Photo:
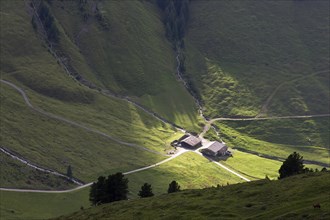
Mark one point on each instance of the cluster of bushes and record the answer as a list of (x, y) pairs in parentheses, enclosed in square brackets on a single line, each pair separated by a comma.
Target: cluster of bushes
[(85, 12), (106, 190), (101, 19), (176, 14), (83, 8), (115, 188), (48, 23)]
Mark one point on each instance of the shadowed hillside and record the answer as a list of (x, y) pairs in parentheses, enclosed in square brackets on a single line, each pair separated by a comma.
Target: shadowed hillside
[(124, 49), (240, 52), (258, 59)]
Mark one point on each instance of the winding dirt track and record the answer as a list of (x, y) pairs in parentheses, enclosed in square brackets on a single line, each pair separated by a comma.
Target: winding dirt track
[(89, 184), (28, 103), (210, 122), (34, 166), (50, 115), (180, 152), (265, 106)]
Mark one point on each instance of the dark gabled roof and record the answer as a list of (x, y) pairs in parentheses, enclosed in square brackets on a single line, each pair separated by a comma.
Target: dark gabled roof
[(192, 140), (183, 137), (217, 146)]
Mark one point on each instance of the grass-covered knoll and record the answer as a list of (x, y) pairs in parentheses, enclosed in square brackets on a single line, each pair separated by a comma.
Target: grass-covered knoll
[(274, 139), (15, 174), (290, 198), (252, 166), (18, 205), (239, 52), (129, 56), (190, 170)]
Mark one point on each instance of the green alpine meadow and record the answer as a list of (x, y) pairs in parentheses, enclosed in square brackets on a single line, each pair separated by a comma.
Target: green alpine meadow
[(164, 109)]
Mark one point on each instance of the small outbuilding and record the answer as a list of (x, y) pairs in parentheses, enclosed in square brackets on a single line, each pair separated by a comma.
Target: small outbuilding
[(191, 142), (215, 149)]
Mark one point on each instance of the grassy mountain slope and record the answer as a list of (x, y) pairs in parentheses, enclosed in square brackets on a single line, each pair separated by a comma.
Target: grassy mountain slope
[(239, 52), (55, 144), (120, 46), (125, 48), (290, 198), (261, 59)]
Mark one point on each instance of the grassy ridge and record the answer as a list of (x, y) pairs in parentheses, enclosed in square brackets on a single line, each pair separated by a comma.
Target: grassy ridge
[(288, 198), (239, 52)]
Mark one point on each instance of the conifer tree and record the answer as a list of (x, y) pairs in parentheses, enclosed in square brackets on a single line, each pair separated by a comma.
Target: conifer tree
[(69, 172), (146, 191), (106, 190), (173, 187), (292, 165)]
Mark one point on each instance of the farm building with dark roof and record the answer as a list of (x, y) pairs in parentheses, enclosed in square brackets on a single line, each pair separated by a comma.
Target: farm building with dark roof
[(191, 142), (215, 149)]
